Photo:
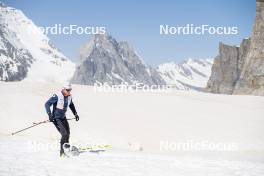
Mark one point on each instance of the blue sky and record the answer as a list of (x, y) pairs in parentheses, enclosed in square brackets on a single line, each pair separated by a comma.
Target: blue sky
[(138, 21)]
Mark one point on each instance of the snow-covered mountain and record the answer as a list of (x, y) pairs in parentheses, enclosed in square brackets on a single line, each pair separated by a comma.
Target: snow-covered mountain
[(190, 74), (104, 60), (25, 52)]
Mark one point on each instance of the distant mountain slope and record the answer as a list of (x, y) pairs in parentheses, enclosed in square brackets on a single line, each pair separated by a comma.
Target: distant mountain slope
[(190, 74), (27, 53)]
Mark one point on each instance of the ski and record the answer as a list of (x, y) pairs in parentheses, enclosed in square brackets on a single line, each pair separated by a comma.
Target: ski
[(71, 150), (95, 147)]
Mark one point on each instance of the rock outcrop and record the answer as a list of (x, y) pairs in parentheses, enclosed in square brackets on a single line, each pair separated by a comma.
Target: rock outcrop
[(227, 67), (251, 80), (240, 70)]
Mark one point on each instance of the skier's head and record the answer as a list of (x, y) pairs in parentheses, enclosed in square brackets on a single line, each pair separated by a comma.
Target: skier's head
[(66, 89)]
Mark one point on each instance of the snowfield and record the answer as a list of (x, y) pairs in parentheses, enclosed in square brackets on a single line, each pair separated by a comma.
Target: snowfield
[(135, 124), (16, 159)]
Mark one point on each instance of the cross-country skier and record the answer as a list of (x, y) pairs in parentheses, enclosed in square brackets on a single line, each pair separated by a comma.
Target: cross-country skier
[(60, 103)]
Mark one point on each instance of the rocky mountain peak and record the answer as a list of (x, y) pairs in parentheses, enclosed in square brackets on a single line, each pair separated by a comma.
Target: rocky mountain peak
[(104, 60)]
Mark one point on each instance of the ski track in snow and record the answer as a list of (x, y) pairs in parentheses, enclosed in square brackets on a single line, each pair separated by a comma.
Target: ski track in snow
[(17, 159)]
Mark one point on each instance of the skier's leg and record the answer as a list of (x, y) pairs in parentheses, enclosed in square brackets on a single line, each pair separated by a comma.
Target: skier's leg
[(56, 125), (67, 127), (63, 132)]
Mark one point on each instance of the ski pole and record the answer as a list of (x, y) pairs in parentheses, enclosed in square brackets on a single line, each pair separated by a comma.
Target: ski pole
[(35, 124)]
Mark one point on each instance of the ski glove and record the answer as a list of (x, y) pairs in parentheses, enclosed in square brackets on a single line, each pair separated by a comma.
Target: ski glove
[(76, 117)]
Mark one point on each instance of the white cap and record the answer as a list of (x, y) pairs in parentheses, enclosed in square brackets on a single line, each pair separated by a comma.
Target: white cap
[(67, 85)]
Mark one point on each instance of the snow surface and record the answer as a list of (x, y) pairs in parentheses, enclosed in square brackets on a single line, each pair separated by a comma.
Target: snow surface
[(132, 122), (114, 163)]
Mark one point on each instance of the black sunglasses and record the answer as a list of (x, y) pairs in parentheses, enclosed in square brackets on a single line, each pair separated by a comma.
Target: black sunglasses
[(68, 90)]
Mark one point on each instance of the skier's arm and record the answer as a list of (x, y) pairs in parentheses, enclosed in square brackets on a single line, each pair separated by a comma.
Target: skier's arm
[(72, 107), (50, 102)]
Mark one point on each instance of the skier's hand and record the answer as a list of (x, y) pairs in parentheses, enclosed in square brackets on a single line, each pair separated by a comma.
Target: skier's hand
[(76, 117)]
